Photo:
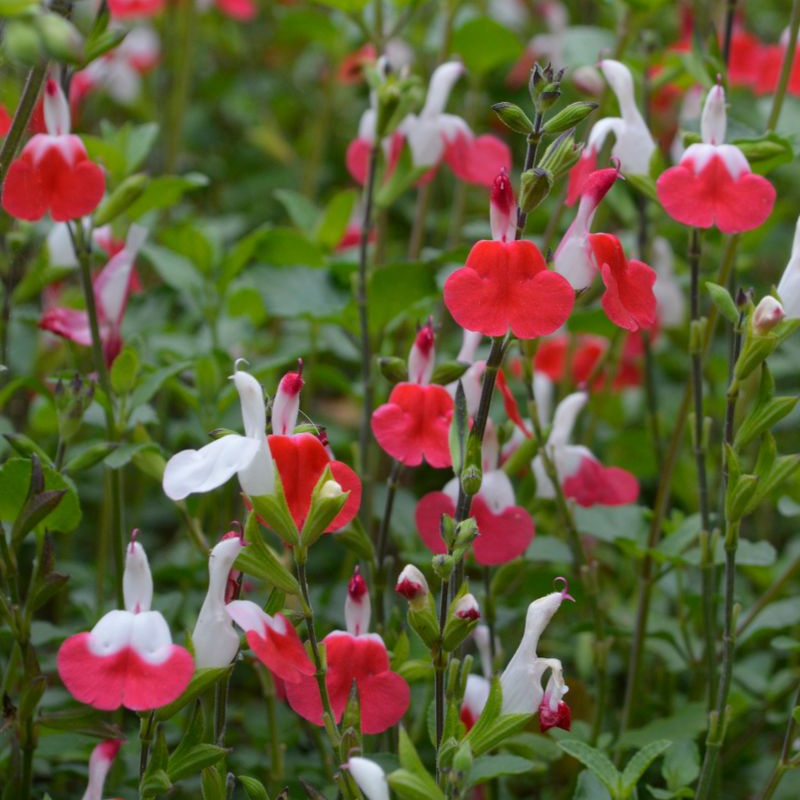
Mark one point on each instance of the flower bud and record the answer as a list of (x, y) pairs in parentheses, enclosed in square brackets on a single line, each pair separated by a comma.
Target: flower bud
[(422, 355), (393, 369), (286, 405), (472, 473), (562, 154), (461, 620), (442, 566), (327, 500), (121, 199), (569, 117), (421, 613), (357, 605), (769, 313), (412, 585), (502, 207), (536, 184), (513, 117)]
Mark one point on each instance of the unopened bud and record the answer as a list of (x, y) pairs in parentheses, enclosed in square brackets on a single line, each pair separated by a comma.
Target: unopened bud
[(562, 154), (389, 96), (331, 490), (61, 38), (466, 533), (327, 500), (121, 199), (422, 355), (501, 208), (472, 473), (393, 369), (769, 313), (513, 117), (467, 607), (461, 621), (569, 117), (443, 566), (412, 585), (536, 184)]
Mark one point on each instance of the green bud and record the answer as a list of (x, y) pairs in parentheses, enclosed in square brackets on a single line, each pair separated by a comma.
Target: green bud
[(459, 428), (549, 97), (327, 500), (536, 184), (448, 371), (351, 722), (423, 621), (21, 42), (389, 96), (569, 117), (447, 529), (561, 154), (738, 497), (394, 369), (274, 511), (462, 760), (755, 352), (513, 117), (122, 198), (466, 533), (60, 37), (443, 566)]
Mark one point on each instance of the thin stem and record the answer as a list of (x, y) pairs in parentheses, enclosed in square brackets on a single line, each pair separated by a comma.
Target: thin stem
[(651, 398), (145, 740), (730, 16), (363, 319), (439, 667), (786, 67), (221, 709), (774, 589), (181, 24), (22, 116), (383, 535), (783, 761), (418, 225), (530, 160), (662, 503)]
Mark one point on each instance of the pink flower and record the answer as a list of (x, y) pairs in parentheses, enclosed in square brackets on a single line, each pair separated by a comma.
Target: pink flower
[(713, 184), (132, 9), (360, 658), (628, 301), (53, 173), (273, 639), (128, 658), (111, 288)]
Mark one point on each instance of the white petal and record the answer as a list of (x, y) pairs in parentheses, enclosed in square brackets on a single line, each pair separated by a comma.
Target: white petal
[(112, 633), (137, 582), (713, 121), (59, 247), (564, 420), (543, 395), (202, 470), (258, 477), (734, 159), (425, 140), (251, 396), (56, 109), (476, 694), (789, 286), (112, 284), (151, 638), (248, 616), (497, 491), (442, 82), (369, 777)]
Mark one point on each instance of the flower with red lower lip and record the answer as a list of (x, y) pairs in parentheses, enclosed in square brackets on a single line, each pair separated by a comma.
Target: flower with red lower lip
[(273, 639), (505, 284), (53, 173), (100, 763), (128, 658), (111, 287), (713, 184), (415, 422), (359, 658)]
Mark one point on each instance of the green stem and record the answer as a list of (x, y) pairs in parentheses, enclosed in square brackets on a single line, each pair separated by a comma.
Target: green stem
[(146, 732), (730, 16), (786, 67), (383, 537), (22, 116), (783, 762), (221, 709), (530, 159), (418, 225), (181, 24)]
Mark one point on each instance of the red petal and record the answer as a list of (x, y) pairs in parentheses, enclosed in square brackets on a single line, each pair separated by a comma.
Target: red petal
[(583, 168), (350, 482), (594, 484), (560, 718), (69, 323), (477, 159), (23, 194), (77, 192), (503, 537), (357, 159), (415, 424), (124, 678), (507, 285), (238, 9), (713, 197), (384, 699), (129, 9), (510, 404), (428, 516), (629, 300), (283, 653)]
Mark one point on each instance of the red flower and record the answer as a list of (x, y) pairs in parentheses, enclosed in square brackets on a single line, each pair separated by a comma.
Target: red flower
[(507, 285), (5, 121), (594, 484), (301, 460), (628, 301), (383, 695), (132, 9), (53, 173), (414, 424), (713, 184)]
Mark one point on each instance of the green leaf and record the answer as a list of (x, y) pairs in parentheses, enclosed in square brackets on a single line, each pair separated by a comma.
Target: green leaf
[(355, 539), (212, 784), (254, 788), (486, 768), (151, 382), (175, 270), (15, 479), (590, 788), (297, 292), (302, 212), (410, 760), (395, 290), (767, 152), (681, 764), (410, 786), (497, 732), (193, 760), (722, 299), (126, 453), (166, 191), (89, 457), (284, 247), (155, 783), (350, 6), (332, 225), (645, 185), (485, 44), (762, 418), (124, 371), (613, 523), (202, 680), (596, 761), (636, 767), (689, 721)]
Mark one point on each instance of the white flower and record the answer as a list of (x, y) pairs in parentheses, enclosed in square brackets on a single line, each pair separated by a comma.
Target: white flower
[(369, 776), (789, 286)]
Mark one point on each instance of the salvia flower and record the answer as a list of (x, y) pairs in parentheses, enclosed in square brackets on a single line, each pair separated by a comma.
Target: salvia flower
[(522, 678), (476, 694), (214, 638), (100, 763), (128, 658), (360, 658), (713, 184), (53, 173), (505, 284), (789, 284), (111, 287), (412, 585), (583, 478)]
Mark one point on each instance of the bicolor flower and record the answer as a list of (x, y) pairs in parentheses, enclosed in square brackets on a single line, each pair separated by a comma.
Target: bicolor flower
[(713, 184), (434, 136), (476, 694), (504, 529), (274, 641), (789, 285), (522, 678), (214, 638), (633, 146), (412, 585), (128, 658), (505, 284), (247, 456), (360, 658), (766, 315), (583, 478), (414, 423), (369, 777), (573, 256), (628, 300), (111, 287), (53, 173), (100, 763), (472, 379)]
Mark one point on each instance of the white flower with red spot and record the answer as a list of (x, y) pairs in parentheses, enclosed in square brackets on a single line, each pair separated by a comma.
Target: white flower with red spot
[(713, 184), (53, 173), (412, 585), (354, 656), (128, 658), (111, 287)]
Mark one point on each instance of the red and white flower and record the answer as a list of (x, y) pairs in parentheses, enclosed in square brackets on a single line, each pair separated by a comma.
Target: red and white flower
[(789, 285), (354, 656), (713, 184), (128, 658), (53, 173), (100, 763), (111, 287)]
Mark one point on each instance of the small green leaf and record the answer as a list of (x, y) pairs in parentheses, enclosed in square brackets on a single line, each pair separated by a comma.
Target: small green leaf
[(722, 299), (89, 457), (192, 760), (254, 788), (331, 227), (636, 767), (596, 761), (486, 768), (485, 44), (762, 418), (202, 680), (410, 786), (124, 371), (681, 764)]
